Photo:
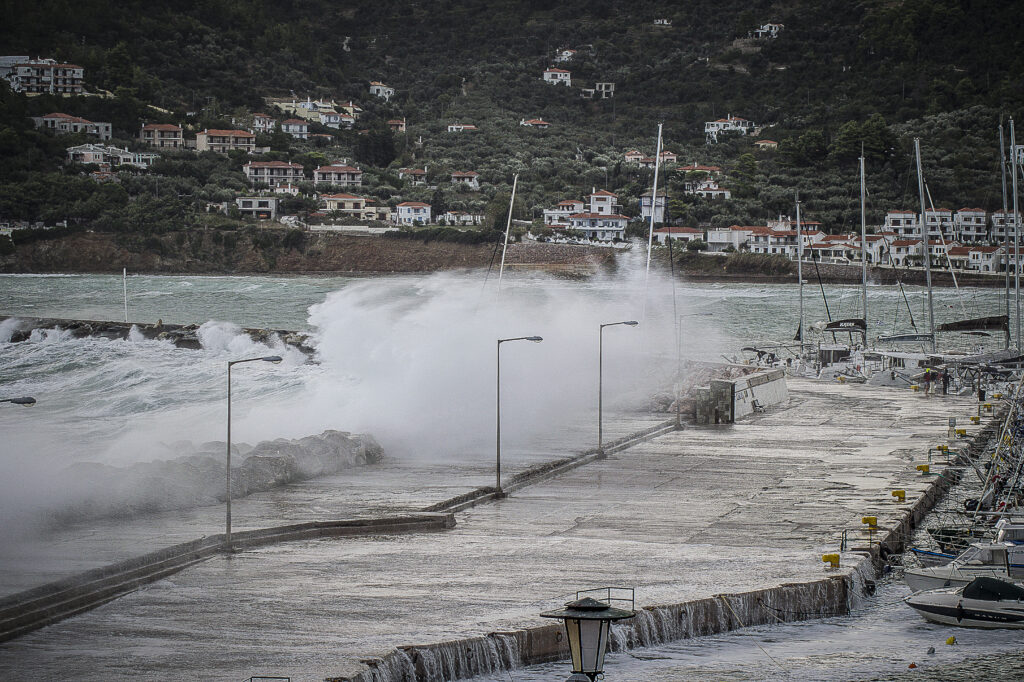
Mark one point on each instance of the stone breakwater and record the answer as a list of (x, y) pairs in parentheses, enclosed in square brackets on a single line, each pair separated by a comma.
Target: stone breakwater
[(181, 335), (93, 490)]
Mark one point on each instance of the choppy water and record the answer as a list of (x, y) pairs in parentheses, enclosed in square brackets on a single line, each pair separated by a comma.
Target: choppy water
[(406, 358)]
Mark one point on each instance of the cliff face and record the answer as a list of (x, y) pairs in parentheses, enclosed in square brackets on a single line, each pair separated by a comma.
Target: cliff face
[(266, 251)]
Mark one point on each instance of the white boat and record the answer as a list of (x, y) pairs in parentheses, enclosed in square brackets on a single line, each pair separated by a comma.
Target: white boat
[(982, 603), (994, 560)]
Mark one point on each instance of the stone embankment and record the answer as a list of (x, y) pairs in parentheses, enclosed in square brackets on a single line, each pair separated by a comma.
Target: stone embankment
[(91, 490), (181, 335)]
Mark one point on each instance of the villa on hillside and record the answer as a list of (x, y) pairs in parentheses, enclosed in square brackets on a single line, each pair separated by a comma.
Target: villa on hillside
[(462, 218), (558, 76), (534, 123), (565, 55), (415, 176), (353, 206), (273, 173), (659, 206), (163, 135), (64, 124), (603, 221), (559, 216), (46, 76), (468, 179), (381, 90), (261, 208), (413, 213), (767, 144), (112, 156), (725, 125), (340, 175), (225, 140), (261, 123), (768, 31), (296, 127), (459, 127), (678, 234), (397, 125)]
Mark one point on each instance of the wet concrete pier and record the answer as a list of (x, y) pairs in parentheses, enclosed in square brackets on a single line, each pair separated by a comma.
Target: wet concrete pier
[(688, 515)]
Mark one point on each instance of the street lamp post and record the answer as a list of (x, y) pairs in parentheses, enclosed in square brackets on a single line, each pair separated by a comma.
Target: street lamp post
[(600, 381), (497, 429), (26, 401), (227, 480)]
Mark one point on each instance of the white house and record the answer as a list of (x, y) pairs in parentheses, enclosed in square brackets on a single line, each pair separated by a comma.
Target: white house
[(559, 216), (679, 234), (263, 208), (163, 135), (565, 55), (736, 236), (728, 124), (633, 156), (940, 224), (659, 206), (605, 90), (343, 176), (468, 179), (902, 222), (558, 76), (603, 221), (709, 189), (113, 156), (261, 123), (534, 123), (64, 124), (332, 119), (462, 218), (902, 250), (768, 31), (273, 173), (413, 213), (1002, 225), (460, 127), (415, 176), (876, 248), (381, 90), (971, 224), (296, 127)]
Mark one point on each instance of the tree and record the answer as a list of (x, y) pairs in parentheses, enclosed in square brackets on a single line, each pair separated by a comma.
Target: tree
[(697, 245)]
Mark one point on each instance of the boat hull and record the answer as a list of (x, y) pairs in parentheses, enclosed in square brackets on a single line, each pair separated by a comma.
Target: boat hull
[(949, 609)]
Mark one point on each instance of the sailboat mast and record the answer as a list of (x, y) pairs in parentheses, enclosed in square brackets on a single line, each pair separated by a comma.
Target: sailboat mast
[(654, 209), (508, 228), (927, 247), (799, 270), (1006, 237), (1016, 229), (863, 249)]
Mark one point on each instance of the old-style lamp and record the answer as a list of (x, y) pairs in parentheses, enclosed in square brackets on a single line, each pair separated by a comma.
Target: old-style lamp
[(587, 623)]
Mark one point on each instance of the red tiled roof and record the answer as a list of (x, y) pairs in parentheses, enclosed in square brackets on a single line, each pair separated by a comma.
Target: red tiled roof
[(604, 193), (971, 210), (598, 215), (341, 196), (51, 66), (294, 121), (272, 164), (414, 204), (554, 70), (338, 169), (906, 242), (679, 230), (465, 174), (162, 126), (569, 202), (227, 133)]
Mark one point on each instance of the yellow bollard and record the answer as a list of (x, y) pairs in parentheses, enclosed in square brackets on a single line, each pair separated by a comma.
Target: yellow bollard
[(871, 521), (997, 396), (924, 468), (988, 407), (841, 379), (975, 420), (961, 433), (915, 387), (832, 559), (900, 495)]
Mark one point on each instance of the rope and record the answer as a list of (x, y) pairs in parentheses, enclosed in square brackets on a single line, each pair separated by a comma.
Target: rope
[(740, 621)]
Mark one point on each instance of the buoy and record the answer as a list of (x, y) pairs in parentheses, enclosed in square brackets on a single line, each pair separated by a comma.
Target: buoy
[(924, 468), (871, 521), (831, 559), (912, 665), (900, 495), (951, 641)]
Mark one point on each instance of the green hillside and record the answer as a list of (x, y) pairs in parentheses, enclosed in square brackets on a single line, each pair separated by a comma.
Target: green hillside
[(840, 74)]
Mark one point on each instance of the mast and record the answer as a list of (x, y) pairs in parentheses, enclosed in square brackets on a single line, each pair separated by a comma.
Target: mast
[(799, 271), (863, 249), (508, 227), (654, 209), (1016, 229), (124, 284), (927, 248), (1006, 237)]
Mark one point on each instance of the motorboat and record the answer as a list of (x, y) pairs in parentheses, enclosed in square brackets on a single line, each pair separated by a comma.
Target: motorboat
[(929, 558), (983, 603), (995, 560)]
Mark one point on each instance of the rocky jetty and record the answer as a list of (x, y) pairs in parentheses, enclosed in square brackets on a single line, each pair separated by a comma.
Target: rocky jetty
[(196, 479), (181, 335)]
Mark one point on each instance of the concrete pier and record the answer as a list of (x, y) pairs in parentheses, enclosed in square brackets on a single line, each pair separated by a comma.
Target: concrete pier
[(686, 516)]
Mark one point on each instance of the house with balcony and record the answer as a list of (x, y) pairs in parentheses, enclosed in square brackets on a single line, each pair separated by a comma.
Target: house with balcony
[(109, 156), (684, 235), (901, 222), (738, 237), (767, 145), (466, 179), (397, 125), (603, 220), (340, 175), (261, 208), (415, 176), (296, 127), (558, 77), (1003, 226), (559, 216), (346, 204), (64, 124), (604, 90), (906, 251), (162, 135), (971, 225), (224, 141), (658, 207), (462, 218), (668, 157), (768, 31), (708, 188), (729, 124), (261, 123), (876, 249), (385, 92), (633, 156), (413, 213), (940, 224), (273, 173), (46, 76)]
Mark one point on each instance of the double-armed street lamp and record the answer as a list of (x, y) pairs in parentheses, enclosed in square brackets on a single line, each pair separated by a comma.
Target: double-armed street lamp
[(498, 492), (26, 401), (600, 381), (231, 363)]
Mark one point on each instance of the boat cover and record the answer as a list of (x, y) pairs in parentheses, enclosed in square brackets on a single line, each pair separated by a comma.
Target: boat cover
[(993, 589), (853, 324)]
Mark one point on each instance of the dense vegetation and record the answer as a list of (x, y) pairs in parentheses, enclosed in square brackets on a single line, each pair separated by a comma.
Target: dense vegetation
[(840, 75)]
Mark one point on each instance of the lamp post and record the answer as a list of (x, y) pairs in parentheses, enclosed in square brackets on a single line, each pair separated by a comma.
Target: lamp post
[(600, 381), (587, 622), (497, 429), (227, 479), (26, 401)]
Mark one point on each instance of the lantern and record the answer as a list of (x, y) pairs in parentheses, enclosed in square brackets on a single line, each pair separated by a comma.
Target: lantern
[(587, 622)]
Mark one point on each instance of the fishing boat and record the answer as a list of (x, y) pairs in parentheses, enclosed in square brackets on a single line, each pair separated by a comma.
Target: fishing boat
[(994, 560), (982, 603)]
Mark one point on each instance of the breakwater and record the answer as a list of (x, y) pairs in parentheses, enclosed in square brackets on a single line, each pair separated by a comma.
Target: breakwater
[(181, 335)]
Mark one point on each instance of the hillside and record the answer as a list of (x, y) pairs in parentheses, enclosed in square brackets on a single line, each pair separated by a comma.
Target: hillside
[(840, 74)]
